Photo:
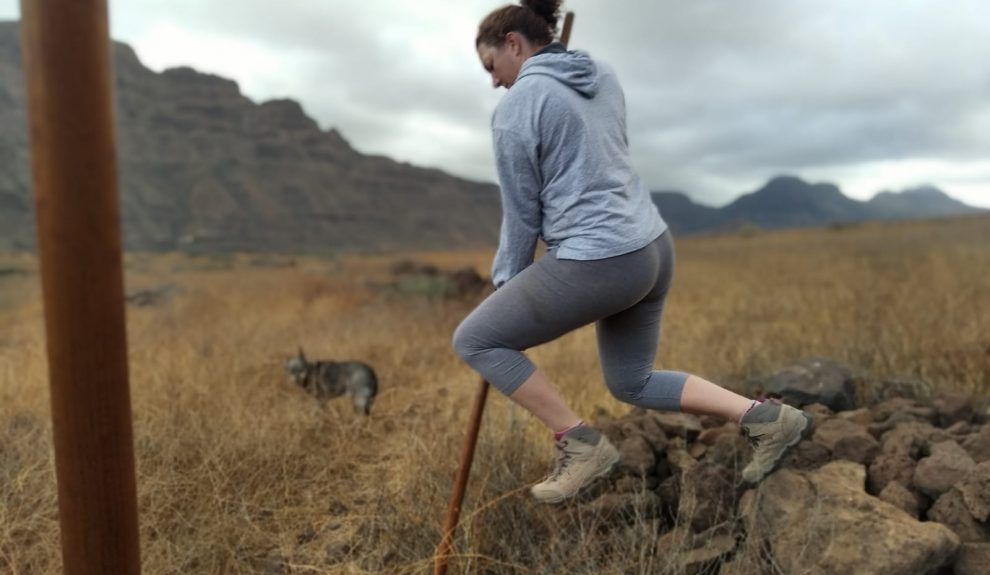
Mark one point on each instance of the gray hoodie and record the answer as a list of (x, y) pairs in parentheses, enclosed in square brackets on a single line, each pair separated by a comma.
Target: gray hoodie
[(563, 166)]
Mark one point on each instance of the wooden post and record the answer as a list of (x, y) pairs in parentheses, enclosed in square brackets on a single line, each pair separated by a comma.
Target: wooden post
[(66, 51), (441, 557), (460, 484), (565, 33)]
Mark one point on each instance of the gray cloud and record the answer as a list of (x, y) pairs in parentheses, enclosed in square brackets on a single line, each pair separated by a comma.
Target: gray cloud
[(744, 90), (721, 95)]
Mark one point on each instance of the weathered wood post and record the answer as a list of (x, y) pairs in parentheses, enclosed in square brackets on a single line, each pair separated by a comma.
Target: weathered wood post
[(66, 52), (565, 33), (460, 484), (442, 555)]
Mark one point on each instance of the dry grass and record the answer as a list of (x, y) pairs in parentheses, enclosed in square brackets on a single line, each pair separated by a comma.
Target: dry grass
[(238, 472)]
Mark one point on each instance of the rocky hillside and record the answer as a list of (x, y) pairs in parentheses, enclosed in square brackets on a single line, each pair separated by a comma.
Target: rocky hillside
[(204, 168)]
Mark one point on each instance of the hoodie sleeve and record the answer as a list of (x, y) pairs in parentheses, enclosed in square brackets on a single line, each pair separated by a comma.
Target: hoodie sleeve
[(520, 182)]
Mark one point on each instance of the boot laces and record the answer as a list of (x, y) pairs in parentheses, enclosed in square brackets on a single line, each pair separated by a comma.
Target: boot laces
[(753, 440), (562, 460)]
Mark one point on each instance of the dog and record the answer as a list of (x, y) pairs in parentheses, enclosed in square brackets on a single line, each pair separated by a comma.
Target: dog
[(326, 380)]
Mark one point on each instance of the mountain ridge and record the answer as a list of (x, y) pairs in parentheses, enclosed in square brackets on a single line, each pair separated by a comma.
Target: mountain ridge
[(787, 201), (204, 168)]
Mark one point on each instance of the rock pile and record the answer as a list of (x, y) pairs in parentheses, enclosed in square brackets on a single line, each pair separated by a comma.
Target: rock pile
[(894, 480)]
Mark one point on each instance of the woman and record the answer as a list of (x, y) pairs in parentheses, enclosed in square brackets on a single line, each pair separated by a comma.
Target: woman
[(566, 177)]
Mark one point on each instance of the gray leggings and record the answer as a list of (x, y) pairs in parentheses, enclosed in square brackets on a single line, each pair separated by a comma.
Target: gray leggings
[(624, 295)]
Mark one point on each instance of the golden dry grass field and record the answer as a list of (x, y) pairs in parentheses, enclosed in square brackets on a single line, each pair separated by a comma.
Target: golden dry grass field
[(240, 472)]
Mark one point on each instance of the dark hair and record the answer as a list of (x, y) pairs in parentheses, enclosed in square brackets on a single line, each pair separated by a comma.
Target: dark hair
[(534, 19)]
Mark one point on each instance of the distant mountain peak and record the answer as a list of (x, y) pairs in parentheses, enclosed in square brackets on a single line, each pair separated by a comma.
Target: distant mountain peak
[(784, 180), (287, 114), (921, 201), (789, 201), (186, 75), (794, 185), (923, 192), (926, 191)]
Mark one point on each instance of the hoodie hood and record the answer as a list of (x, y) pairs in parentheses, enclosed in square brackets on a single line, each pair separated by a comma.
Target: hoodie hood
[(575, 69)]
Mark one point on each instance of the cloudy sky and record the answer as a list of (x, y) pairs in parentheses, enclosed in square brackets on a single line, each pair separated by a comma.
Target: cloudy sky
[(722, 95)]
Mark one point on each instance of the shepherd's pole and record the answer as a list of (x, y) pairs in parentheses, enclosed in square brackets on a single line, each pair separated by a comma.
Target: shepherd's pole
[(460, 484), (66, 51), (565, 33), (442, 555)]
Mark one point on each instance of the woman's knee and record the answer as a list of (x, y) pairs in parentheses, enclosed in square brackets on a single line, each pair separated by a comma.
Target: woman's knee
[(627, 390), (461, 341), (656, 390), (467, 341), (626, 380)]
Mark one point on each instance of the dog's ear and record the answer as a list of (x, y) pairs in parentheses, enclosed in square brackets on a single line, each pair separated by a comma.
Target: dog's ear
[(302, 356)]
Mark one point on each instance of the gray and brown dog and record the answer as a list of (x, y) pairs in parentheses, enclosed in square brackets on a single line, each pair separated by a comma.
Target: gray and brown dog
[(326, 380)]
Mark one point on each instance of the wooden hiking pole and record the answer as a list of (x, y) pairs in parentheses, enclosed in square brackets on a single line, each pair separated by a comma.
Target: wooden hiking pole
[(565, 33), (442, 555), (460, 484), (66, 56)]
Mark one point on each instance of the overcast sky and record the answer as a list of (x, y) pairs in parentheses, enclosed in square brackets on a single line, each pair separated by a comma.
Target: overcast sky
[(722, 95)]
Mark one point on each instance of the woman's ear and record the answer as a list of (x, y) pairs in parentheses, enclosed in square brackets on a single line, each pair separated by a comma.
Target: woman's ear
[(514, 41)]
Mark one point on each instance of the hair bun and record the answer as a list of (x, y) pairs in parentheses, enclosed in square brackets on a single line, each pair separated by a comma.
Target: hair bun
[(549, 10)]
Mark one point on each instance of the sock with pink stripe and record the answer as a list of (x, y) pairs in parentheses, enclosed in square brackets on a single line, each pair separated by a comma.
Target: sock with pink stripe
[(753, 404), (559, 434)]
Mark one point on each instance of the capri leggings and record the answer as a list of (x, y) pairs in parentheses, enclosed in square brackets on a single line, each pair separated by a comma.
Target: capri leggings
[(623, 295)]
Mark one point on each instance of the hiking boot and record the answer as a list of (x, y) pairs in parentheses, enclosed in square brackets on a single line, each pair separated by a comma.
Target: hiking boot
[(583, 455), (772, 428)]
